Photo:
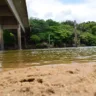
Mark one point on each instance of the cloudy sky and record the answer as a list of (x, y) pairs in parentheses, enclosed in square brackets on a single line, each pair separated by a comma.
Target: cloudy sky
[(61, 10)]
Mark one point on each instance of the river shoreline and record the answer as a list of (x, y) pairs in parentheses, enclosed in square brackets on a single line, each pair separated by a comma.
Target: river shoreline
[(50, 80)]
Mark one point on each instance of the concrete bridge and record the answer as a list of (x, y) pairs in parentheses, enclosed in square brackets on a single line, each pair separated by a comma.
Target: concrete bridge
[(13, 15)]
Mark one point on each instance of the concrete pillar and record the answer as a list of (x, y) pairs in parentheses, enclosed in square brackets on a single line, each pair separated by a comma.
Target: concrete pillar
[(1, 38), (19, 37)]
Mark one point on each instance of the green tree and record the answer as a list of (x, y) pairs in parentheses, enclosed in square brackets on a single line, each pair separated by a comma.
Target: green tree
[(94, 30), (88, 39), (35, 38)]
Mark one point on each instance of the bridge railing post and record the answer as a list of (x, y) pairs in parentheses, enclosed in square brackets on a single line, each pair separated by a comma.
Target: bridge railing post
[(1, 38)]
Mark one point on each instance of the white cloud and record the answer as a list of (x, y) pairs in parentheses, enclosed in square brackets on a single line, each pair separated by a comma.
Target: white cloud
[(54, 9)]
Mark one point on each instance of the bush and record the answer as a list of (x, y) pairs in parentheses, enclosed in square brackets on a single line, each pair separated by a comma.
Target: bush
[(42, 45), (35, 38)]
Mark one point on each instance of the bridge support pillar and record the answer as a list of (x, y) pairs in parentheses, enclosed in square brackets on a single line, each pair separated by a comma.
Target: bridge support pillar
[(19, 37), (1, 38)]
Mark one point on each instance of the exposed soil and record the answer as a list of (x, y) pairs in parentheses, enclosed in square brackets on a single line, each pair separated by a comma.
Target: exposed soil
[(50, 80)]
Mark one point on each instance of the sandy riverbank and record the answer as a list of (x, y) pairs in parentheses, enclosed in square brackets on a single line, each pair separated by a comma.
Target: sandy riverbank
[(52, 80)]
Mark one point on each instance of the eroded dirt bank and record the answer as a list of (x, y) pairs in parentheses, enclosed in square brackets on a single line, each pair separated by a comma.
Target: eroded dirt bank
[(52, 80)]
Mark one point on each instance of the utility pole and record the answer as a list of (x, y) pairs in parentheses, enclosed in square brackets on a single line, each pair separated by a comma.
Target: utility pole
[(75, 33)]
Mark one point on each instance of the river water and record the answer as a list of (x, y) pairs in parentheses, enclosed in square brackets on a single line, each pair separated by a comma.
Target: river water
[(36, 57)]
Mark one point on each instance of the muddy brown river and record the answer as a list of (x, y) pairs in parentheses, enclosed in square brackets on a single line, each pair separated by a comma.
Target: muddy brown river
[(37, 57)]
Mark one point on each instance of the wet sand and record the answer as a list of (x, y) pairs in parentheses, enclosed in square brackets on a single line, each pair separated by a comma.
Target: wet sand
[(50, 80)]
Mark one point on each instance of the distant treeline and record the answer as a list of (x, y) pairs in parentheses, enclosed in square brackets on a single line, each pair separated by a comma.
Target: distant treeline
[(61, 34), (50, 33)]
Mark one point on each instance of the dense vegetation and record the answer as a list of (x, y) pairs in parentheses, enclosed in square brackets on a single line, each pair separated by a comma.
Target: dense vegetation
[(50, 33), (61, 34)]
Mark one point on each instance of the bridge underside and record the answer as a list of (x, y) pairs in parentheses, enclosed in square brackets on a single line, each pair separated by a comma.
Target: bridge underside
[(13, 15)]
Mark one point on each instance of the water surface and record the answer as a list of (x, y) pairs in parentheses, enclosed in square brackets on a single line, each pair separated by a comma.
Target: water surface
[(25, 58)]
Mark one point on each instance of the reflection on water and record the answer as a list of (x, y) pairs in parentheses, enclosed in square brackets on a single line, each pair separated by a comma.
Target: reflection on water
[(23, 58)]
